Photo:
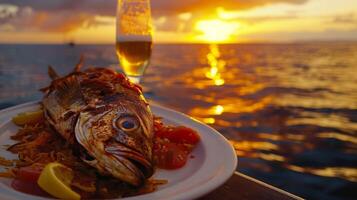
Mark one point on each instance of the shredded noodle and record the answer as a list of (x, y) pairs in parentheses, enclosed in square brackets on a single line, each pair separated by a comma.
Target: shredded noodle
[(38, 144)]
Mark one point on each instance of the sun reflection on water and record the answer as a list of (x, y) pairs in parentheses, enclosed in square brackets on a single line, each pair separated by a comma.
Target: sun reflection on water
[(218, 109), (216, 65), (254, 149), (231, 105), (341, 172)]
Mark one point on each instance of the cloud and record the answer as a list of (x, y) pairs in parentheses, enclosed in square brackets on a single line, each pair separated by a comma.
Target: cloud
[(285, 36), (68, 15), (30, 20), (54, 15), (260, 19), (349, 18), (107, 7), (98, 7), (168, 7)]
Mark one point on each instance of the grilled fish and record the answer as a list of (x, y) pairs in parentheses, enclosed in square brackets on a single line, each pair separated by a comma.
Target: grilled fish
[(102, 113)]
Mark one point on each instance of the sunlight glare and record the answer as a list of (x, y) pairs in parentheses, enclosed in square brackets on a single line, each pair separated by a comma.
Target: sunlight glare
[(216, 30), (218, 109), (216, 65), (185, 16)]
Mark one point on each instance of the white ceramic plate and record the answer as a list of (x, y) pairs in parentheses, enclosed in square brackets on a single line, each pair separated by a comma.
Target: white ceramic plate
[(213, 163)]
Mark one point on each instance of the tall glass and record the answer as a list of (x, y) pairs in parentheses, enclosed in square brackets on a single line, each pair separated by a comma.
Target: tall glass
[(134, 37)]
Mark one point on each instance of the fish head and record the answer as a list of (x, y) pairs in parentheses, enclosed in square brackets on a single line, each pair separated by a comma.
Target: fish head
[(118, 139)]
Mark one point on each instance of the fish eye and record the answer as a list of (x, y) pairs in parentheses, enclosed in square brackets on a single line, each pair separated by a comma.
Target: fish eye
[(127, 123)]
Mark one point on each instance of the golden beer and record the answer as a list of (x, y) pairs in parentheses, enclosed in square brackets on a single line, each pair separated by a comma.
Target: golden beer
[(134, 56)]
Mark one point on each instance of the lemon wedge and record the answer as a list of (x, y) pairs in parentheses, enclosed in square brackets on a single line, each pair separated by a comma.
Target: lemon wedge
[(55, 179), (28, 118)]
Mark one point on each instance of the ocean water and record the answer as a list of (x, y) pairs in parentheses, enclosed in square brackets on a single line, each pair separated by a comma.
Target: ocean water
[(289, 110)]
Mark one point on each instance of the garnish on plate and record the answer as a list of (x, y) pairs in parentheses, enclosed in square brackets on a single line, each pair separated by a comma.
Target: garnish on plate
[(97, 126)]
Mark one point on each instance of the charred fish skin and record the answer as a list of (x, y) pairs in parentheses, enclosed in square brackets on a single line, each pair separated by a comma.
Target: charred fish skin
[(62, 105), (108, 116)]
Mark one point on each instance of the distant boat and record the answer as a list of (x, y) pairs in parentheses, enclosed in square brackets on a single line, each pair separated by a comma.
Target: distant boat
[(71, 44)]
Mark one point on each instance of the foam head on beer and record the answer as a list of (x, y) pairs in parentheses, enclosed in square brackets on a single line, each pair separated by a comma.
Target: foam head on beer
[(134, 53)]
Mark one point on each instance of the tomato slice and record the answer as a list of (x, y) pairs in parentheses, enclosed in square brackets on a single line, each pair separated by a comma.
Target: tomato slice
[(26, 180), (173, 144), (179, 134), (28, 187), (170, 155), (29, 173)]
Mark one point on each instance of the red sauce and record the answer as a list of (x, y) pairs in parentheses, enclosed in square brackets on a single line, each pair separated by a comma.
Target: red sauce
[(172, 145)]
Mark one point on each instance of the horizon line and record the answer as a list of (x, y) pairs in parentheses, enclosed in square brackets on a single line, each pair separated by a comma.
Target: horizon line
[(173, 43)]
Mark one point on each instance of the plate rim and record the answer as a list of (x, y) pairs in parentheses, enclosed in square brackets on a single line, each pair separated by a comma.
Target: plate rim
[(225, 171)]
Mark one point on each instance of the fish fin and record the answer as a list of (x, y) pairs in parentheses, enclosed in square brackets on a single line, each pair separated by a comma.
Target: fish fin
[(52, 73), (68, 92), (79, 65), (44, 89)]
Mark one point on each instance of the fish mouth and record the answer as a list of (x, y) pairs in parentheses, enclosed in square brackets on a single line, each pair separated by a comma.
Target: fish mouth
[(133, 160), (110, 157)]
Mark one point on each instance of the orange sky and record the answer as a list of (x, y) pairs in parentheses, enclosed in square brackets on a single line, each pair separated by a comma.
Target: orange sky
[(224, 21)]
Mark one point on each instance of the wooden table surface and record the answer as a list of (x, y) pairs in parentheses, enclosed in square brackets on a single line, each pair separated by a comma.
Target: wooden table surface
[(242, 187)]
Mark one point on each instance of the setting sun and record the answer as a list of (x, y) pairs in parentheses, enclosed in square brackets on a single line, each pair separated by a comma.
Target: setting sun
[(216, 30)]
